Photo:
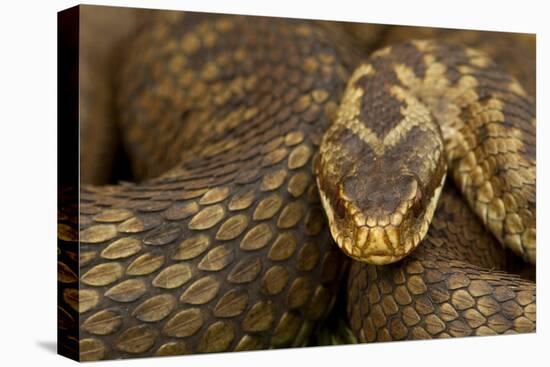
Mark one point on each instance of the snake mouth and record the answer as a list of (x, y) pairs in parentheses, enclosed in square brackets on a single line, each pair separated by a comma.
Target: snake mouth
[(377, 245), (383, 240)]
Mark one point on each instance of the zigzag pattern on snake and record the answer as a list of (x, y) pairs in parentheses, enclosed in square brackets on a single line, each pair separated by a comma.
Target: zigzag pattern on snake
[(224, 243)]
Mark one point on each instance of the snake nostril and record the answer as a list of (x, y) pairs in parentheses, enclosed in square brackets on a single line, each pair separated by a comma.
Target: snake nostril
[(340, 208), (417, 206), (185, 114)]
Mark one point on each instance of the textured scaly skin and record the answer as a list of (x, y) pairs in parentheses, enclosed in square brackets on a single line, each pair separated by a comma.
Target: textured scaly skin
[(382, 165), (230, 249), (453, 285), (488, 125)]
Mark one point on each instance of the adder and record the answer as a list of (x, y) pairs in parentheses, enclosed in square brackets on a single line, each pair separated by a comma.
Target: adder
[(257, 144)]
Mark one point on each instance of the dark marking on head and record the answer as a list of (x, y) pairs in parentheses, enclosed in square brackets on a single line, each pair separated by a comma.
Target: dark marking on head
[(380, 111)]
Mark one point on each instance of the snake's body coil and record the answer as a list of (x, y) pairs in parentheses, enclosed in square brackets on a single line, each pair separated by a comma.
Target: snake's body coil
[(228, 247)]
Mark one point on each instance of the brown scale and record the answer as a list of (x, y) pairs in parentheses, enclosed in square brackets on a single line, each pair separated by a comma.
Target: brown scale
[(68, 259), (514, 51), (446, 288), (453, 285), (486, 120), (229, 249)]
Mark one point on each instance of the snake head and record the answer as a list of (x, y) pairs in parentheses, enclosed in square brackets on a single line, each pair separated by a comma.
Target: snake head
[(379, 218), (380, 177)]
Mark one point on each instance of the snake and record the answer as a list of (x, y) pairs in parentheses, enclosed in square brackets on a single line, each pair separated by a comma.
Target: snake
[(274, 165)]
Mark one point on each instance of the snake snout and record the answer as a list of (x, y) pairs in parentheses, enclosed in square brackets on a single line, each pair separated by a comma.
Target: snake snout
[(378, 221)]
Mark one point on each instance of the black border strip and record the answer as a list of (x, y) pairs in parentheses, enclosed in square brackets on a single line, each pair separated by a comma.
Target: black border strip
[(68, 36)]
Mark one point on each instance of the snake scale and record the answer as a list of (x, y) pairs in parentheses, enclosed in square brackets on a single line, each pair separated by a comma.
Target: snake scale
[(224, 242)]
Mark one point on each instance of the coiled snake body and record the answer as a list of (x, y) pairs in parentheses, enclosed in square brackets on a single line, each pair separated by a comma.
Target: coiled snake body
[(224, 245)]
